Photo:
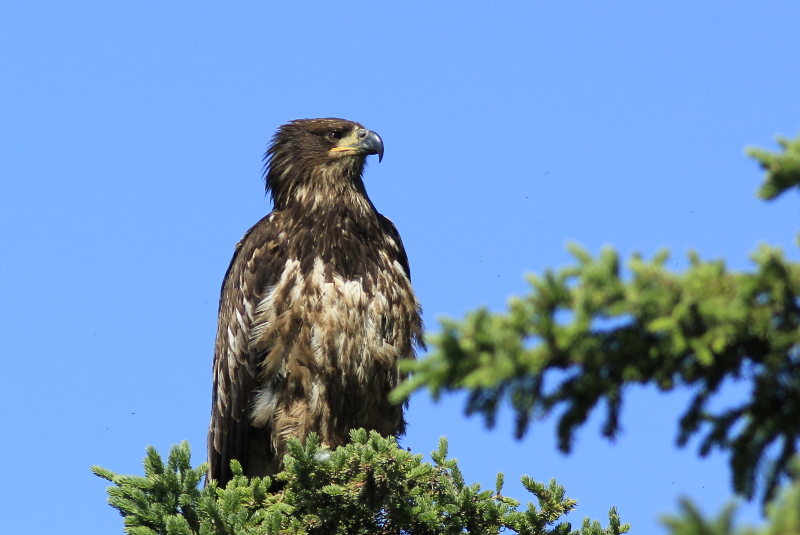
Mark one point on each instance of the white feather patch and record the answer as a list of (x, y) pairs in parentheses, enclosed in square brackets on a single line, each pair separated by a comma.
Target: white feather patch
[(264, 407)]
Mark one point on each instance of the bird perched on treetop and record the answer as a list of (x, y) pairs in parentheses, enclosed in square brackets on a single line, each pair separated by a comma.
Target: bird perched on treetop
[(316, 307)]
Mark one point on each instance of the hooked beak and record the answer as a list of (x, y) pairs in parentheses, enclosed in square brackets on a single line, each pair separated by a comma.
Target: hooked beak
[(370, 142)]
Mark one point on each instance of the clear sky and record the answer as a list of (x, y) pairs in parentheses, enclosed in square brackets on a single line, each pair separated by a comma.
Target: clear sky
[(130, 149)]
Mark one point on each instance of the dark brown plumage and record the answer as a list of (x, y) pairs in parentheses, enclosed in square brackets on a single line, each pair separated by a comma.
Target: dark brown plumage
[(316, 307)]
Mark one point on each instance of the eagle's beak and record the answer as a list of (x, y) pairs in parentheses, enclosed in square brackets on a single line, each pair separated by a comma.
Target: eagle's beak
[(370, 142), (363, 141)]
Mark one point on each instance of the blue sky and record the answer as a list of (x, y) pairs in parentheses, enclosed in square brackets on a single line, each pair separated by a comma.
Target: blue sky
[(131, 161)]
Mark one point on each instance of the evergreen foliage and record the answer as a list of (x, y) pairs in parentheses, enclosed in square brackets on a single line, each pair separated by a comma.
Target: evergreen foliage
[(586, 332), (370, 486), (782, 168)]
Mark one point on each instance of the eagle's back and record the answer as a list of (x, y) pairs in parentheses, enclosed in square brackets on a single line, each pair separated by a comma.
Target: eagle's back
[(316, 309)]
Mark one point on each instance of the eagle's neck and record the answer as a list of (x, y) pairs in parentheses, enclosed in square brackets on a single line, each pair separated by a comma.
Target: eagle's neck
[(330, 218), (321, 189)]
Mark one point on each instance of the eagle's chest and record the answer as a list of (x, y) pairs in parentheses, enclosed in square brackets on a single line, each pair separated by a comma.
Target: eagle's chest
[(318, 320)]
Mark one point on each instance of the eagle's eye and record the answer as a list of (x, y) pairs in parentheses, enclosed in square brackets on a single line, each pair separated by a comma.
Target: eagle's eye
[(334, 136)]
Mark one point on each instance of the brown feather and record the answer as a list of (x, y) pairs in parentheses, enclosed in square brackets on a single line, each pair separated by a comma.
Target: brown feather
[(316, 309)]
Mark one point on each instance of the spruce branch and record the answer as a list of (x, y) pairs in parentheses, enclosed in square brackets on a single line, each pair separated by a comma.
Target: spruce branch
[(369, 486), (585, 333)]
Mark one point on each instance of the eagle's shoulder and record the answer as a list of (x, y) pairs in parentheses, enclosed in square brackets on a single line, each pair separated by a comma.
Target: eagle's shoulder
[(394, 242), (255, 254)]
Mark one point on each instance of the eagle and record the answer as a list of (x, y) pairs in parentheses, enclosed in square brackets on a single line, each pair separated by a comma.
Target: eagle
[(316, 308)]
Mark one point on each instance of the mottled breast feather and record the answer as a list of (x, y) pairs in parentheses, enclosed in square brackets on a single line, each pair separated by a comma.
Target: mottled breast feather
[(315, 311)]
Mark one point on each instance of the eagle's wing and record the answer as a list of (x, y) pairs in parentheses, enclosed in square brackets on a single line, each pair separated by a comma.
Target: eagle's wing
[(390, 231), (235, 368)]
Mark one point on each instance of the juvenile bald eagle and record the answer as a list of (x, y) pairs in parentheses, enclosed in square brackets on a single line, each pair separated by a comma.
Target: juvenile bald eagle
[(316, 307)]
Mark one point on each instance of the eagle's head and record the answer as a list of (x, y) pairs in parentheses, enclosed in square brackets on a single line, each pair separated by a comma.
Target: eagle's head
[(314, 159)]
